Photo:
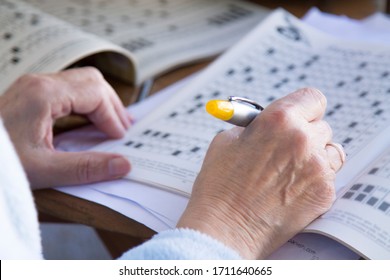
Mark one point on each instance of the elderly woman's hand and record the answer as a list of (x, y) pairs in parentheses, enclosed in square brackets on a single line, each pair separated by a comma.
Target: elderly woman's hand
[(261, 185), (31, 105)]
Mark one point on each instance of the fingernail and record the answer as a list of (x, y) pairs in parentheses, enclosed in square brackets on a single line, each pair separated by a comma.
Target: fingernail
[(118, 167), (130, 118)]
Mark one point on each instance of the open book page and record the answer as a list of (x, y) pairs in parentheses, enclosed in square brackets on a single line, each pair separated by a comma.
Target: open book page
[(279, 56), (361, 215), (161, 33), (32, 41)]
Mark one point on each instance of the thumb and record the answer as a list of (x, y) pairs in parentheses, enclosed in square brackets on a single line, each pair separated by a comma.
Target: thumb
[(74, 168)]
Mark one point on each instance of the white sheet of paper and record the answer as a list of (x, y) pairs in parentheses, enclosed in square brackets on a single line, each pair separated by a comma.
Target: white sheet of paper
[(125, 207)]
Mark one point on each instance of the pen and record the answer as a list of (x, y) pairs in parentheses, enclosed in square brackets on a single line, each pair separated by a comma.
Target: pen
[(145, 89), (236, 110)]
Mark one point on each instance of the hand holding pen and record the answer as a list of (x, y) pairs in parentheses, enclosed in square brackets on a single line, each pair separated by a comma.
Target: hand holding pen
[(262, 184)]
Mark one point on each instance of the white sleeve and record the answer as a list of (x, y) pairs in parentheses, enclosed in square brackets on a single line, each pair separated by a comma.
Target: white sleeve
[(20, 237), (181, 244)]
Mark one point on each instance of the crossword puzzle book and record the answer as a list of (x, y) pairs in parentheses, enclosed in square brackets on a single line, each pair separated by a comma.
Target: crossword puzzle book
[(279, 56), (132, 40)]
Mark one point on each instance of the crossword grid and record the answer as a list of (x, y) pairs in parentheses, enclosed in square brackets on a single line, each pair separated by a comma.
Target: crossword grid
[(13, 21), (189, 116), (24, 33), (170, 144), (357, 86), (371, 195), (382, 167), (145, 23)]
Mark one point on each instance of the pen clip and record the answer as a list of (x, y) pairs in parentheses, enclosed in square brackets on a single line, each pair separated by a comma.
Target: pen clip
[(246, 100)]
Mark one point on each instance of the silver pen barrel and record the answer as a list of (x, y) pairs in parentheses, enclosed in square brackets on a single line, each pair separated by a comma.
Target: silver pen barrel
[(243, 113)]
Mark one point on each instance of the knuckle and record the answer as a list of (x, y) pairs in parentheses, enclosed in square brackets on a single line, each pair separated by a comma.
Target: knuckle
[(300, 140), (317, 166), (93, 73), (327, 128), (38, 87), (36, 83), (26, 78), (320, 168), (300, 137), (280, 116)]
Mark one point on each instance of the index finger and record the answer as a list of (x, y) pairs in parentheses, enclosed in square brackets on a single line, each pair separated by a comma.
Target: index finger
[(86, 92), (310, 103)]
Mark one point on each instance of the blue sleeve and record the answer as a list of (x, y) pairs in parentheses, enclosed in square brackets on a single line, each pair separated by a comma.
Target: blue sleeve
[(181, 244)]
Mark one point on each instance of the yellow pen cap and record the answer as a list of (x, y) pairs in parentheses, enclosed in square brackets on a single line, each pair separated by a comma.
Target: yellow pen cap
[(220, 109)]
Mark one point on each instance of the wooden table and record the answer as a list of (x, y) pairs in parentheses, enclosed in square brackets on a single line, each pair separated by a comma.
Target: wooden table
[(117, 231)]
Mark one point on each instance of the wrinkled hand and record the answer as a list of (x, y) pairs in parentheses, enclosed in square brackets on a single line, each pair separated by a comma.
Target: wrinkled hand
[(261, 185), (31, 105)]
